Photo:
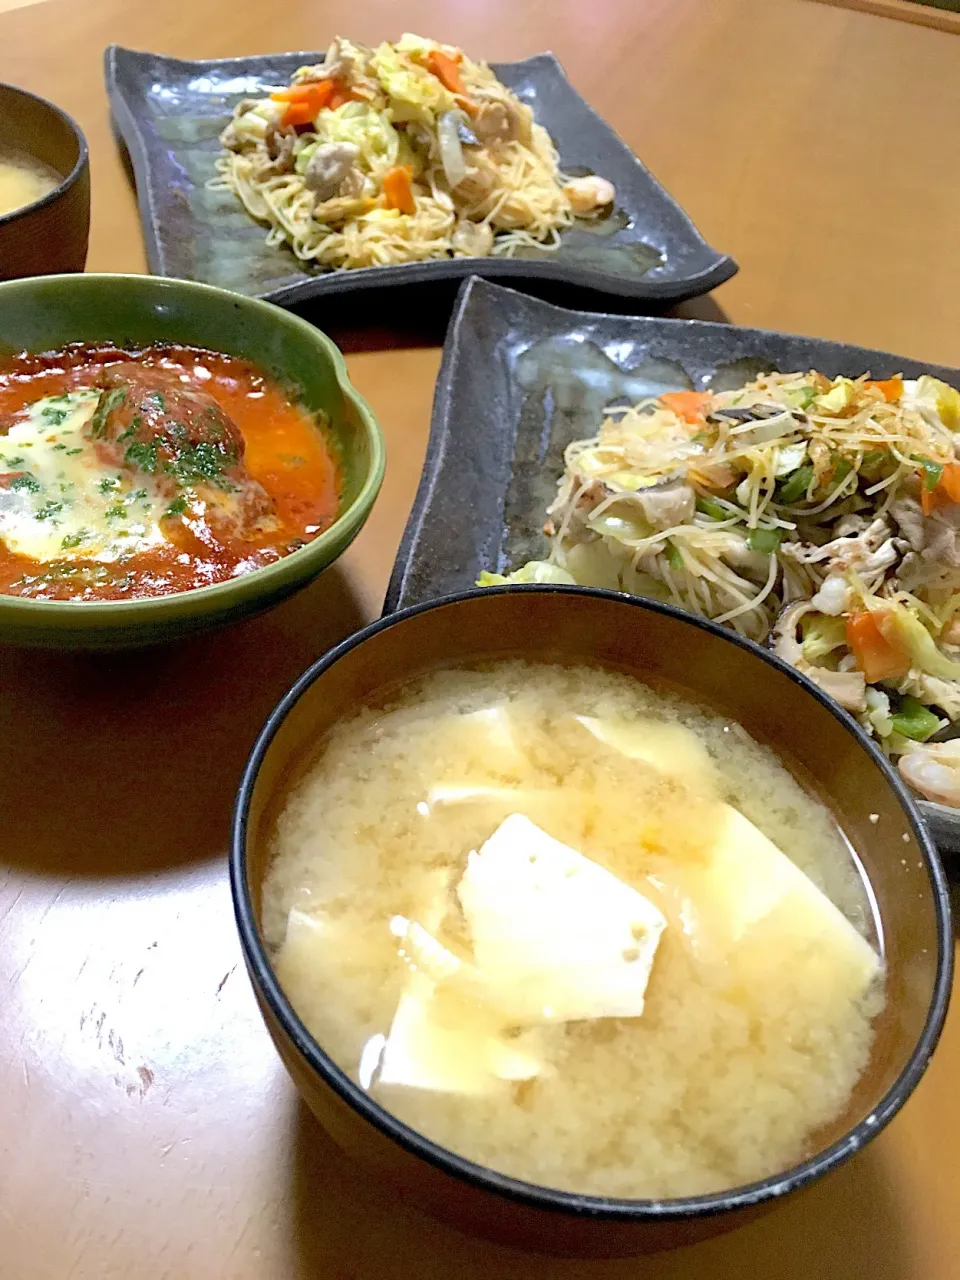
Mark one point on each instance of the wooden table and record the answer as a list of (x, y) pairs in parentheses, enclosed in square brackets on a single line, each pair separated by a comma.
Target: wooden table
[(147, 1129)]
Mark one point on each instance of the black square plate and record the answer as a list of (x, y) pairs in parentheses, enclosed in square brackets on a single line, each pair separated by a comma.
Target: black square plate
[(169, 113), (520, 379)]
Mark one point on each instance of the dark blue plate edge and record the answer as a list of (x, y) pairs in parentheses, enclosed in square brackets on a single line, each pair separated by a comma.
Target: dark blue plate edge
[(436, 446), (132, 137), (514, 269), (677, 289)]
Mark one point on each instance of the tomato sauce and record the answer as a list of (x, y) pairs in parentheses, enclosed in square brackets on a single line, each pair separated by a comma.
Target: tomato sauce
[(285, 449)]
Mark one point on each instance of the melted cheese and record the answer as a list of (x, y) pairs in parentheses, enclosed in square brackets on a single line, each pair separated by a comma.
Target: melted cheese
[(63, 503)]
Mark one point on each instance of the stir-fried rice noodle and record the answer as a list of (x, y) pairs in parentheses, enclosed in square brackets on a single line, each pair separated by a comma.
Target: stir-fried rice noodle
[(820, 516), (417, 152)]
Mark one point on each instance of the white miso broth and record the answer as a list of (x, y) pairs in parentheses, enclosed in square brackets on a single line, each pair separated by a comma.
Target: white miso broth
[(23, 179), (576, 930)]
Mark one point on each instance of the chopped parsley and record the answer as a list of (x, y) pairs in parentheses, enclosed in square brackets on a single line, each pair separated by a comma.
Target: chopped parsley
[(48, 510), (176, 508), (214, 425), (74, 539), (14, 462), (26, 482), (59, 446), (144, 456), (71, 453), (107, 484), (203, 461), (115, 512), (54, 417)]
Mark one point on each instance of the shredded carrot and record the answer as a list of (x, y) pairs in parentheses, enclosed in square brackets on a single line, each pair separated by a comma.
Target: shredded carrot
[(315, 95), (320, 89), (930, 499), (946, 490), (446, 70), (686, 404), (298, 113), (341, 95), (890, 388), (878, 653), (305, 101), (950, 481), (398, 190)]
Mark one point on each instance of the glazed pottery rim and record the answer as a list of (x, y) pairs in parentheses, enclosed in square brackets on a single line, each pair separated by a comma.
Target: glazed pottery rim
[(289, 568), (531, 1194), (83, 156)]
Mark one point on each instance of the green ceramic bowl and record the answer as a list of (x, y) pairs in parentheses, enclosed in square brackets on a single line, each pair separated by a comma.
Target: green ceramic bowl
[(46, 313)]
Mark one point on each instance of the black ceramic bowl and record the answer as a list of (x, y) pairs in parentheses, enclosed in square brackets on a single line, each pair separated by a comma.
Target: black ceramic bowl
[(658, 643), (51, 234)]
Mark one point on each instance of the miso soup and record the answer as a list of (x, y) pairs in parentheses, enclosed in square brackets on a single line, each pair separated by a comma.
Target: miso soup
[(23, 179), (576, 930)]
